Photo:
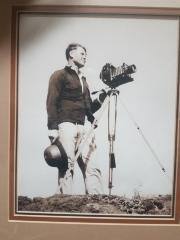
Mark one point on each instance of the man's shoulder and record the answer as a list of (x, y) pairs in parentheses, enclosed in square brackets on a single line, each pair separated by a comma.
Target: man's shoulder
[(57, 75), (58, 72)]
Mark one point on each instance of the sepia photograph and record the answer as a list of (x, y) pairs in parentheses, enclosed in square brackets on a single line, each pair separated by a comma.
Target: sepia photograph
[(96, 108)]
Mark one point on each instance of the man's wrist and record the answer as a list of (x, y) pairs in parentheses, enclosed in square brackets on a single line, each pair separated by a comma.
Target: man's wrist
[(53, 133)]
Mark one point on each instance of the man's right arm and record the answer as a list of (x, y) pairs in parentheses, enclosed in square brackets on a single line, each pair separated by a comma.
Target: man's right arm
[(52, 103)]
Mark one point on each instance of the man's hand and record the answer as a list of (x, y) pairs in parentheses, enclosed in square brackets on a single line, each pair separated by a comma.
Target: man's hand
[(102, 96), (92, 120), (53, 135)]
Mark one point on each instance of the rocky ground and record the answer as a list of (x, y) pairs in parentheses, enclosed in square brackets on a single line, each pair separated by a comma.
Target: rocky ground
[(97, 204)]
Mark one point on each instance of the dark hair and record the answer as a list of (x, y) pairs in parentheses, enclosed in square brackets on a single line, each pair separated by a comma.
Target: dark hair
[(71, 47)]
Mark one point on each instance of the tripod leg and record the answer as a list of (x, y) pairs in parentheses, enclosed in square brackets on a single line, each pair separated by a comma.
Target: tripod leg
[(112, 114), (110, 180)]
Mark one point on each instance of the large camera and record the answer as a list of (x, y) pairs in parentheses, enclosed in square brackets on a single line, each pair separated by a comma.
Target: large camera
[(113, 77)]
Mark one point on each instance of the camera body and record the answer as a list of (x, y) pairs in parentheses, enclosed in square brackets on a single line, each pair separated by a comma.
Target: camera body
[(114, 77)]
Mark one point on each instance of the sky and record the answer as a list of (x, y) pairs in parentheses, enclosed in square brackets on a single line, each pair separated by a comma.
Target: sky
[(149, 101)]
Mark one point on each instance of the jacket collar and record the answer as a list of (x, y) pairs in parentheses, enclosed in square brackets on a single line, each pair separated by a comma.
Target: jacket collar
[(75, 69)]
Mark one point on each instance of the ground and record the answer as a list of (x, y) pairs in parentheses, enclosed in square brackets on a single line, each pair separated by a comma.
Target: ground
[(97, 204)]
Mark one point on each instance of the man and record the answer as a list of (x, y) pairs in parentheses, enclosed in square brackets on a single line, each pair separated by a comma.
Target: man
[(68, 104)]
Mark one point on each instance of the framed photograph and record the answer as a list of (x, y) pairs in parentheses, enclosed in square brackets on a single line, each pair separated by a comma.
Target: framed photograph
[(94, 131)]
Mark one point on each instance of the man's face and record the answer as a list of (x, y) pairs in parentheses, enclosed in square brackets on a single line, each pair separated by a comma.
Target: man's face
[(78, 56)]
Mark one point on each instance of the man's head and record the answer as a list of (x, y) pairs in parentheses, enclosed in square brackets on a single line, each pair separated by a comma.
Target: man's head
[(76, 53)]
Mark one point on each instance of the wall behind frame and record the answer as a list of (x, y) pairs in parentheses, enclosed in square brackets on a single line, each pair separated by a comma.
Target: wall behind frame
[(44, 231)]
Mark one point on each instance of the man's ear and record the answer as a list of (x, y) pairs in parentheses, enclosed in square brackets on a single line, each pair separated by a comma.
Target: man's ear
[(71, 53)]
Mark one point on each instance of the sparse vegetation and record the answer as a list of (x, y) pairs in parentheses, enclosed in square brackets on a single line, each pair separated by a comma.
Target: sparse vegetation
[(97, 204)]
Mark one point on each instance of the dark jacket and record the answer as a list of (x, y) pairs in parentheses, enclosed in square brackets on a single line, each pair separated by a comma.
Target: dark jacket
[(65, 100)]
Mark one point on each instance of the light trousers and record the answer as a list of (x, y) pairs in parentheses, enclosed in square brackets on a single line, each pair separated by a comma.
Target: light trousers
[(71, 136)]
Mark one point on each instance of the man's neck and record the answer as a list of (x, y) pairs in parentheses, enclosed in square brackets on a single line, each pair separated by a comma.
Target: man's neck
[(74, 67), (72, 64)]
